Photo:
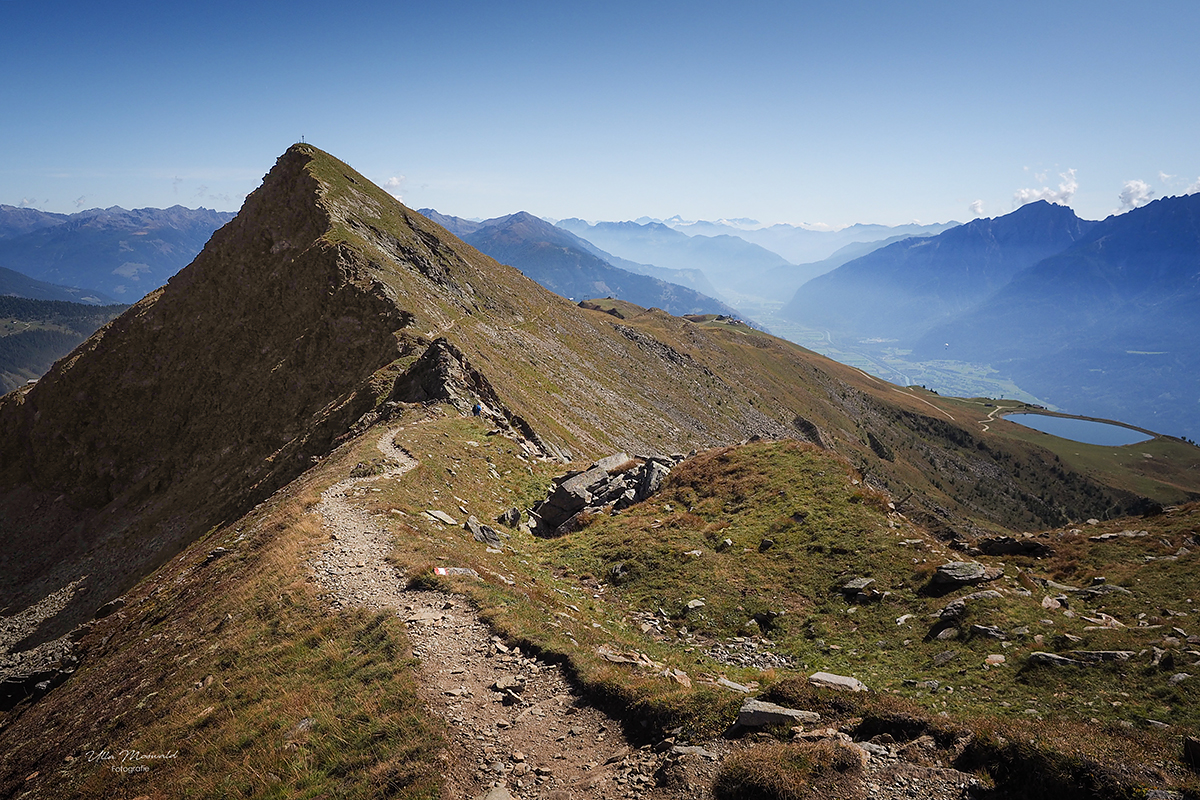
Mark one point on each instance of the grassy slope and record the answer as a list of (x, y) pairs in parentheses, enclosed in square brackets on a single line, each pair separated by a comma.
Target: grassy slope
[(221, 662), (281, 658), (564, 602)]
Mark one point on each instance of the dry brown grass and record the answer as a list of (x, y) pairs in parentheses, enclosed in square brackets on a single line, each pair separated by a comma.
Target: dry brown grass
[(792, 771)]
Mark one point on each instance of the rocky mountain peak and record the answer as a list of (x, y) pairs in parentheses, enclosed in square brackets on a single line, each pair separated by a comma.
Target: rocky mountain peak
[(204, 397)]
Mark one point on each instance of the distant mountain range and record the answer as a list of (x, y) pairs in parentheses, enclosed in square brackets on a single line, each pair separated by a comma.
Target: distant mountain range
[(15, 284), (902, 290), (727, 260), (1107, 327), (123, 254), (572, 267), (742, 262), (797, 243), (1098, 318)]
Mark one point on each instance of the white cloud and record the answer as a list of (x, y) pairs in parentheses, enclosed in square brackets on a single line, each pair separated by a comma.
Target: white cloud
[(976, 208), (1195, 187), (80, 200), (1062, 195), (27, 202), (1164, 177), (1136, 193), (394, 185)]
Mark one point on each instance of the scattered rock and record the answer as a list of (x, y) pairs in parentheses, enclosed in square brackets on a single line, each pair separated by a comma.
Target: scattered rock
[(510, 518), (737, 687), (1104, 537), (988, 631), (116, 604), (482, 533), (1053, 659), (945, 657), (957, 607), (956, 574), (830, 681), (1191, 752), (1008, 546), (761, 714), (442, 517), (856, 585), (1097, 656)]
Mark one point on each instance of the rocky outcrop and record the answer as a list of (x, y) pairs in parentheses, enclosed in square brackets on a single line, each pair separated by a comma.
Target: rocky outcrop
[(957, 574), (443, 374), (611, 484)]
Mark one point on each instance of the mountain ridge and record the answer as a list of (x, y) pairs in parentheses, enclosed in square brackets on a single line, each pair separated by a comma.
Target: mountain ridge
[(567, 265), (901, 290), (123, 253)]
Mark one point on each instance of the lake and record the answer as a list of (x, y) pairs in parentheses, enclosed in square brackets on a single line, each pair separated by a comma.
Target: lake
[(1080, 430)]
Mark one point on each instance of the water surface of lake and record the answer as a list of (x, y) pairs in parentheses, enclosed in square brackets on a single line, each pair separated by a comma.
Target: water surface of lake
[(1080, 430)]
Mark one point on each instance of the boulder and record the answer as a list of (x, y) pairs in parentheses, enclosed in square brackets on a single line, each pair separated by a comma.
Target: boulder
[(510, 518), (482, 533), (761, 714), (610, 463), (652, 479), (828, 680), (1191, 752), (987, 630), (1008, 546), (956, 574), (856, 585), (442, 517), (957, 607), (1053, 659)]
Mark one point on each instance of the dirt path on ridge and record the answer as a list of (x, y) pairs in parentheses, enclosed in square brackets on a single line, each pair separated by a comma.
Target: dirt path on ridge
[(518, 729), (533, 737)]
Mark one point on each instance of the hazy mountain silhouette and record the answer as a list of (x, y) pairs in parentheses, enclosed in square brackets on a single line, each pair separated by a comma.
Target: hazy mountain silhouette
[(569, 266), (123, 254), (1107, 327), (902, 290)]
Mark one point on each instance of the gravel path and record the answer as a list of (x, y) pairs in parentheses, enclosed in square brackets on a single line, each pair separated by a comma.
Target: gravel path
[(516, 724)]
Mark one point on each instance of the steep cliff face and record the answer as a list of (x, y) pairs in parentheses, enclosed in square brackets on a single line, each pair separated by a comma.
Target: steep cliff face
[(206, 396)]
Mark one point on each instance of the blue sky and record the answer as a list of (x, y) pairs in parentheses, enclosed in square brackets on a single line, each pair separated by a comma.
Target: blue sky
[(819, 113)]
